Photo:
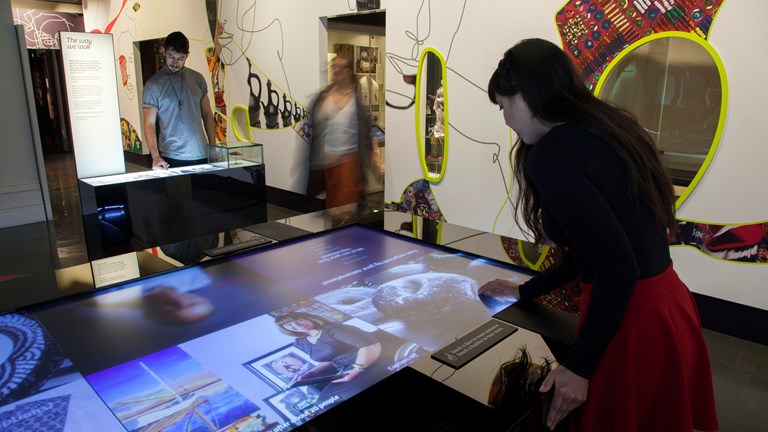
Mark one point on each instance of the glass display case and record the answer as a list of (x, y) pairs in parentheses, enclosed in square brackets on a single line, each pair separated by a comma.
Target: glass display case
[(236, 155), (675, 87)]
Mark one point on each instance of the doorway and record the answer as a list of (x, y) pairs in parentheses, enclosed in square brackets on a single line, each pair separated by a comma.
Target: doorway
[(361, 37)]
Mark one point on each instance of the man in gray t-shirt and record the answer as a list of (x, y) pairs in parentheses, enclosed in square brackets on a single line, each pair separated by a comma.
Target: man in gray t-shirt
[(175, 100)]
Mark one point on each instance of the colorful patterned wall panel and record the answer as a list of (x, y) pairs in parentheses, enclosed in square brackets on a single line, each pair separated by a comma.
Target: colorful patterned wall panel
[(595, 31)]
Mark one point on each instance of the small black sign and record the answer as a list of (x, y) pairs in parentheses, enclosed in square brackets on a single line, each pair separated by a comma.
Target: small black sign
[(474, 343), (364, 5)]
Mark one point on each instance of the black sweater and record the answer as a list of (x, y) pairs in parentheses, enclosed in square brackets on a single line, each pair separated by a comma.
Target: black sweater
[(613, 238)]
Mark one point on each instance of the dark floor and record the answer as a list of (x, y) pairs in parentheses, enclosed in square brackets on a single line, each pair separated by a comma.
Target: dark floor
[(740, 368)]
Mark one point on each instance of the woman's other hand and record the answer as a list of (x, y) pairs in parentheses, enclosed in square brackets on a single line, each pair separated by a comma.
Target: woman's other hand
[(570, 391)]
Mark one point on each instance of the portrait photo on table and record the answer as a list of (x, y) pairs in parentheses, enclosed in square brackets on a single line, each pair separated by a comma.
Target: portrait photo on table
[(296, 364), (329, 360)]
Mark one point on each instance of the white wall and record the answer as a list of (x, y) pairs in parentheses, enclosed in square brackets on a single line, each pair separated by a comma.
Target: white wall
[(21, 199), (285, 39), (472, 40), (733, 189), (47, 5)]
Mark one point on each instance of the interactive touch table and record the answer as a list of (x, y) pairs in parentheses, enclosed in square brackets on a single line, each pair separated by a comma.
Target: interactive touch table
[(200, 348)]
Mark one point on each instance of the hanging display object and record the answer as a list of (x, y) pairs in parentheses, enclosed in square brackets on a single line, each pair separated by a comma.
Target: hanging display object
[(271, 108), (432, 114)]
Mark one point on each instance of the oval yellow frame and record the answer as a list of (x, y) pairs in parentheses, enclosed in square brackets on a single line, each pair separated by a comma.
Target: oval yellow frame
[(723, 103), (233, 122), (531, 264), (421, 138)]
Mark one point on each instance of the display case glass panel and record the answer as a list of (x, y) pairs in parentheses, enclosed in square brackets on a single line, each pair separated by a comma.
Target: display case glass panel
[(182, 208), (675, 86), (235, 155)]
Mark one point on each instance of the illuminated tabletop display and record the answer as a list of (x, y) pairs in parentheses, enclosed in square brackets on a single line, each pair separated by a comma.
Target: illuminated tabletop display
[(200, 348)]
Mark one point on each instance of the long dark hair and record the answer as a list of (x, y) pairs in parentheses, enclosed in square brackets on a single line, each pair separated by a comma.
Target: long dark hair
[(544, 76)]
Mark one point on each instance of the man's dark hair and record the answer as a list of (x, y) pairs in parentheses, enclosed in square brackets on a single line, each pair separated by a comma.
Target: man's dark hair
[(176, 41)]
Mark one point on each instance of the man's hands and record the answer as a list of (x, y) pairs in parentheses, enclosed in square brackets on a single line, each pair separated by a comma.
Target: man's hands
[(158, 163)]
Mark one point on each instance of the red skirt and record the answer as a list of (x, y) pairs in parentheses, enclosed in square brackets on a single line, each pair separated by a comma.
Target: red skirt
[(344, 181), (655, 374)]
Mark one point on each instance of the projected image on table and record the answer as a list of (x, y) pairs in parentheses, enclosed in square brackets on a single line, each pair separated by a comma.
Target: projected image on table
[(271, 337), (402, 287), (145, 316), (430, 300), (39, 387), (332, 361), (30, 361), (70, 407), (171, 391), (295, 405), (296, 365)]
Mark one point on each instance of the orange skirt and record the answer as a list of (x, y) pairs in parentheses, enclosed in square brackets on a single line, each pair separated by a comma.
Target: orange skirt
[(344, 181), (655, 374)]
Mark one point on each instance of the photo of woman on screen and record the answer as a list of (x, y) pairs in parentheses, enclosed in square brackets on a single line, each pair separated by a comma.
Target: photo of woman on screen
[(343, 353)]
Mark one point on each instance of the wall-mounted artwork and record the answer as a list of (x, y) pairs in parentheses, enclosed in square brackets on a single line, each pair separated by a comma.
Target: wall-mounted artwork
[(366, 59), (364, 5), (743, 243), (594, 33), (41, 28)]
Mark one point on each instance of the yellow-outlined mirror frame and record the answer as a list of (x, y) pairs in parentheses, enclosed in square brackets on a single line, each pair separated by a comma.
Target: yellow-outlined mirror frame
[(531, 264), (723, 103), (421, 138), (232, 122)]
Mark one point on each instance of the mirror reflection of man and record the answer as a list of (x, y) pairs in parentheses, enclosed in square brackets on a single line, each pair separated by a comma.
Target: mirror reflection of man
[(175, 100)]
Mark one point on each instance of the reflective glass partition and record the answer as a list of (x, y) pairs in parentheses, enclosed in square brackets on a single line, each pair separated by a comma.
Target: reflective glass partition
[(675, 87), (182, 210)]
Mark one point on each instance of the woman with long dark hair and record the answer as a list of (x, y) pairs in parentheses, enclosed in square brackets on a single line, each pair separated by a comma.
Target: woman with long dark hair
[(590, 179)]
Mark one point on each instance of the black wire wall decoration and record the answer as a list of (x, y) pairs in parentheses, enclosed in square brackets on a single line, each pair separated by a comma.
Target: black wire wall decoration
[(404, 63)]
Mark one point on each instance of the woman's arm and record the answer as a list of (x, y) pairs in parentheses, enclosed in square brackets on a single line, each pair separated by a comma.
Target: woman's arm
[(315, 371), (366, 356)]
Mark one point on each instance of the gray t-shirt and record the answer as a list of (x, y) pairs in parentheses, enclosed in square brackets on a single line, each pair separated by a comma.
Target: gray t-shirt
[(181, 128)]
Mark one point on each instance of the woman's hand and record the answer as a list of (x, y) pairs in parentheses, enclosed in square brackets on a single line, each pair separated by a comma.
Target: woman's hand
[(366, 356), (158, 163), (502, 289), (569, 391), (350, 375), (315, 371)]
